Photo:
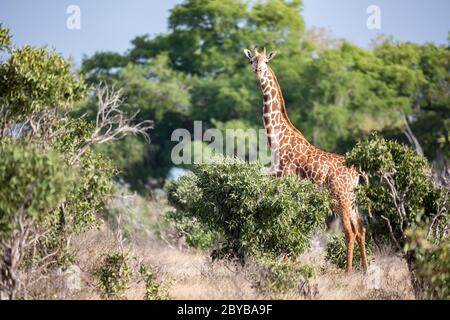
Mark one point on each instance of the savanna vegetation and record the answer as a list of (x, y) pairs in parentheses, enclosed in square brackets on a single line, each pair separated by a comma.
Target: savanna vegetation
[(85, 155)]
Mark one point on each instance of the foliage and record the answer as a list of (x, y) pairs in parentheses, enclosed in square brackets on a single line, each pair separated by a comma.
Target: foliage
[(282, 276), (5, 39), (154, 290), (196, 235), (407, 203), (336, 252), (253, 212), (160, 93), (54, 185), (431, 105), (187, 195), (405, 196), (335, 92), (432, 264), (34, 80), (113, 274), (33, 181), (84, 200), (128, 155), (203, 71), (94, 177)]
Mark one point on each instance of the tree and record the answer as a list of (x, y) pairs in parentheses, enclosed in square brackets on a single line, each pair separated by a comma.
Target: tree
[(33, 183), (200, 63), (335, 92), (159, 93), (41, 206), (430, 104)]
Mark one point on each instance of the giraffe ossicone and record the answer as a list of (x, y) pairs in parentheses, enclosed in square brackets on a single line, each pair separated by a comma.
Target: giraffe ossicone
[(294, 155)]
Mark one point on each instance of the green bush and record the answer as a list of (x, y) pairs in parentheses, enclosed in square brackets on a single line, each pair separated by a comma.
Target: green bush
[(336, 252), (154, 289), (113, 274), (253, 213), (35, 80), (432, 265), (283, 276), (406, 201), (85, 200), (39, 192), (32, 180), (402, 191), (195, 233)]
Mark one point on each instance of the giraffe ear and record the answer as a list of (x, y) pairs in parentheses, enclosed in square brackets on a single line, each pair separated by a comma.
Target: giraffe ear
[(248, 54), (271, 55)]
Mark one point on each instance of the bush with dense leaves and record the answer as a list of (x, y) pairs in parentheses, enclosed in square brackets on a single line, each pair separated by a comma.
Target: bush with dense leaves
[(253, 213), (33, 181), (279, 277), (402, 189), (406, 201), (432, 264), (113, 274), (42, 202)]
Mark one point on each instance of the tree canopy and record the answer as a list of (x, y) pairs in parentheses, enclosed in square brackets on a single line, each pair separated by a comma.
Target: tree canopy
[(335, 92)]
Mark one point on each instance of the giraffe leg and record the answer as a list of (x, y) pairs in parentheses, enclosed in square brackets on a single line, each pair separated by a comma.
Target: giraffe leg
[(350, 236), (361, 238), (362, 249)]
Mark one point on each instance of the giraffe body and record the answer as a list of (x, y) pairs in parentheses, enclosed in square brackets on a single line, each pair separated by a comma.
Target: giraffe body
[(294, 155)]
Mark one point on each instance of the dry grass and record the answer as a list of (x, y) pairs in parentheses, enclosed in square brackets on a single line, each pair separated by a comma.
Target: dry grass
[(190, 274), (185, 273)]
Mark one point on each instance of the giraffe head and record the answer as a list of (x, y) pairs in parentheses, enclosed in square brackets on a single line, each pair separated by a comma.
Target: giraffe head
[(259, 60)]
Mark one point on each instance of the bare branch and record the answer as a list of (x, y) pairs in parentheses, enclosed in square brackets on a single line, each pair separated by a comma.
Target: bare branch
[(440, 213), (399, 200), (411, 137), (111, 122), (391, 232)]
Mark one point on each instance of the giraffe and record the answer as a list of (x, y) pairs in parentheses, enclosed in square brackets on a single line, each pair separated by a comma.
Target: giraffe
[(294, 155)]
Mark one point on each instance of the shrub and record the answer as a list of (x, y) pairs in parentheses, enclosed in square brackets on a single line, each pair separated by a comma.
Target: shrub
[(31, 179), (85, 201), (404, 195), (113, 274), (33, 182), (154, 289), (38, 196), (405, 201), (432, 265), (283, 276), (196, 234), (336, 252), (253, 213)]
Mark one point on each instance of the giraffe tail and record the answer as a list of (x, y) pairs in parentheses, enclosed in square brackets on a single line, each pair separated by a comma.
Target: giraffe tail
[(369, 210)]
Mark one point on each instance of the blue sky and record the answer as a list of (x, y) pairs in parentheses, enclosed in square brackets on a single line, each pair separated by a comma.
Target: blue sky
[(109, 25)]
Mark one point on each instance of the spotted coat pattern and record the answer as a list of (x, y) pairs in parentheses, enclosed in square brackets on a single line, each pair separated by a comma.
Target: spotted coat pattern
[(294, 155)]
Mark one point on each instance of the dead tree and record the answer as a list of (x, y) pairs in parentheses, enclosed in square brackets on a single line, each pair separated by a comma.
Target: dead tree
[(111, 122)]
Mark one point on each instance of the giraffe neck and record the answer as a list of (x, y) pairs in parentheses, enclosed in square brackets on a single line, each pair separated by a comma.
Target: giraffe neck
[(276, 120)]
